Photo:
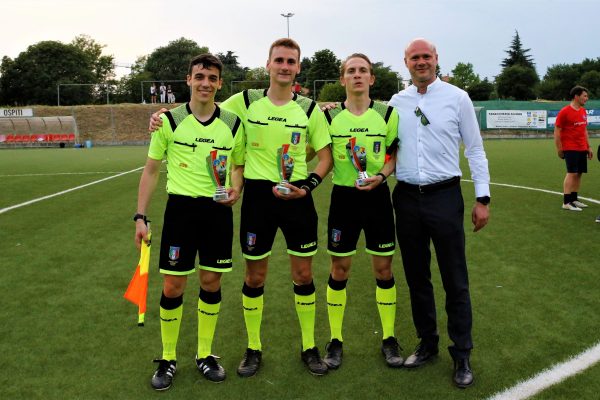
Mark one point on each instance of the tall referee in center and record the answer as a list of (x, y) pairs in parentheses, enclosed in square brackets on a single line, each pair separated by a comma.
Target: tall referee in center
[(273, 118)]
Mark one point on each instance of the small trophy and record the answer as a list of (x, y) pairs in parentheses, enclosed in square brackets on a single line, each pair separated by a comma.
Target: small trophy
[(217, 167), (358, 156), (285, 166)]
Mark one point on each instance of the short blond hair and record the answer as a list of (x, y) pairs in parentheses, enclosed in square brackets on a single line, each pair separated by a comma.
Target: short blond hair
[(285, 42), (355, 55)]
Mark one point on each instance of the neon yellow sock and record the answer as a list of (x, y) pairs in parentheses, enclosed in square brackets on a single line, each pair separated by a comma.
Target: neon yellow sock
[(336, 305), (208, 314), (305, 308), (253, 310), (386, 304), (170, 321)]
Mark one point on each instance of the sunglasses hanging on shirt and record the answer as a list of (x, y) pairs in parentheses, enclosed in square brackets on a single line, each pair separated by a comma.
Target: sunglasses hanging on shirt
[(419, 113)]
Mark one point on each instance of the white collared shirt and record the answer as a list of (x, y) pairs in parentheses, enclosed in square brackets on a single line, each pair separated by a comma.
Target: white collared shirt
[(430, 153)]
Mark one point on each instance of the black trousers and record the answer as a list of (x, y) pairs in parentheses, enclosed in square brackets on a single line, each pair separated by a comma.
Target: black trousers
[(435, 216)]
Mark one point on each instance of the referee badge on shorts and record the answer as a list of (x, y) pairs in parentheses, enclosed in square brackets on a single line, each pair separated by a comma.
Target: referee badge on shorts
[(250, 240), (336, 236), (173, 255)]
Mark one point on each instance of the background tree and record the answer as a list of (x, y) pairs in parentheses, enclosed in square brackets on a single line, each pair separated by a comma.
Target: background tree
[(517, 55), (232, 71), (517, 83), (332, 92), (8, 74), (386, 84), (102, 65), (305, 65), (258, 78), (591, 81), (518, 79), (481, 90), (463, 76), (560, 78), (558, 81), (257, 74), (129, 86), (32, 77), (324, 65), (171, 62)]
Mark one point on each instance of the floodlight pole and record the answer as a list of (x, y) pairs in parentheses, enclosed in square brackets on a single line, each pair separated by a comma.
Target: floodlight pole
[(287, 17)]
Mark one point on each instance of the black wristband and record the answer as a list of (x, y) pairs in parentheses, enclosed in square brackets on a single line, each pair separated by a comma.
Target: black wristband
[(381, 174), (309, 184), (140, 216), (485, 200)]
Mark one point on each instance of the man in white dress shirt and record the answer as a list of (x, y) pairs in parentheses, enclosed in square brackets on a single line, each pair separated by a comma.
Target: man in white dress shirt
[(435, 118)]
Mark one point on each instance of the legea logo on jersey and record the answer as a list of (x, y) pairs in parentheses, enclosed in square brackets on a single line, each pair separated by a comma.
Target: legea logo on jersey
[(204, 140), (377, 147), (250, 240), (279, 119), (295, 137)]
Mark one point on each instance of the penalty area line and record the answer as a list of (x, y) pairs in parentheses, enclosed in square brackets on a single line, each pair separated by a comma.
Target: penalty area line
[(3, 210), (551, 376)]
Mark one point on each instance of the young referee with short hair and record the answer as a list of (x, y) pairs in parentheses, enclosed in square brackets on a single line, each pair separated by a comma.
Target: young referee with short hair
[(191, 137)]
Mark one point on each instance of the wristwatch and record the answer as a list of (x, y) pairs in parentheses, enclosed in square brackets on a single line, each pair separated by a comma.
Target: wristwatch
[(140, 216), (485, 200)]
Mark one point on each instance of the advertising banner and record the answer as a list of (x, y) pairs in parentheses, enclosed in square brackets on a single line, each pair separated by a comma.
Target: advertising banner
[(516, 119), (592, 115)]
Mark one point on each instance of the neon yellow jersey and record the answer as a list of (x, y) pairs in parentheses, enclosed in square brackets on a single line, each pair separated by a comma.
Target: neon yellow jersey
[(365, 137), (199, 154), (273, 132)]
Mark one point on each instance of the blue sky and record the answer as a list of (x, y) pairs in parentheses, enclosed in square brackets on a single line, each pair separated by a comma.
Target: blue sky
[(557, 31)]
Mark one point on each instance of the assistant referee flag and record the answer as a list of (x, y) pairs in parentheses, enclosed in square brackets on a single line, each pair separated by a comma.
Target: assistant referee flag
[(138, 286)]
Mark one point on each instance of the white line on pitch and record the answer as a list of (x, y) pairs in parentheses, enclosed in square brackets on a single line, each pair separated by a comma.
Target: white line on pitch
[(62, 173), (537, 190), (3, 210), (559, 372), (551, 376)]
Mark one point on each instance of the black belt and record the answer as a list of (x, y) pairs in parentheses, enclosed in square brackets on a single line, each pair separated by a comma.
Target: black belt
[(432, 187)]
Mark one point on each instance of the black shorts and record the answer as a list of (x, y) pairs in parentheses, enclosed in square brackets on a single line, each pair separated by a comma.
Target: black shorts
[(576, 161), (195, 226), (351, 211), (263, 213)]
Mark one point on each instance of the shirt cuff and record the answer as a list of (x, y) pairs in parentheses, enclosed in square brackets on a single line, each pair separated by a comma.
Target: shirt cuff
[(482, 189)]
